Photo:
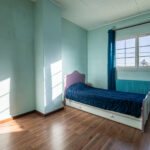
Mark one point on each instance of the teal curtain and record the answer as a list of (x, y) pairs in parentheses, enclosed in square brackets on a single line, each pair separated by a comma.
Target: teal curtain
[(111, 61)]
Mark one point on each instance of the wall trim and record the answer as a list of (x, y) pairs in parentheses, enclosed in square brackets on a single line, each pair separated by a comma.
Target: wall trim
[(118, 20), (16, 117), (30, 112), (44, 115)]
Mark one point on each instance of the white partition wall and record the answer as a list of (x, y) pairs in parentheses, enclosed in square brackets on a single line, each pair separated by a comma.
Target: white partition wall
[(48, 61)]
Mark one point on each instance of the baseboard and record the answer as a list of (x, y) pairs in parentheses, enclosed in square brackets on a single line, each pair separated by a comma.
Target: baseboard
[(17, 116), (30, 112), (44, 115), (6, 120), (39, 113), (24, 114), (54, 111)]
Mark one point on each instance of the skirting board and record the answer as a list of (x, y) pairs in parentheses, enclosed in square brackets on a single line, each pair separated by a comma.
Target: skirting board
[(27, 113), (44, 115), (17, 116), (118, 117)]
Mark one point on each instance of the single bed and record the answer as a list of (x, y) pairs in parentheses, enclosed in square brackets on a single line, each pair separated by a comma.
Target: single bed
[(127, 108)]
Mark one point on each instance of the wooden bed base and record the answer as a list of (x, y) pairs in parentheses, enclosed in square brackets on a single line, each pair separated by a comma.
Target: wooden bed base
[(138, 123)]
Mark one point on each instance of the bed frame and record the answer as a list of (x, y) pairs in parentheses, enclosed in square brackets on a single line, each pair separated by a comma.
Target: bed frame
[(138, 123)]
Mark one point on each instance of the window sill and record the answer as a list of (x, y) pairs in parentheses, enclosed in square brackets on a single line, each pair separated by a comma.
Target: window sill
[(134, 69)]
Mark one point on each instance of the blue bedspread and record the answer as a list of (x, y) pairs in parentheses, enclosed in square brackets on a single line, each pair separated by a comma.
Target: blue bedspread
[(122, 102)]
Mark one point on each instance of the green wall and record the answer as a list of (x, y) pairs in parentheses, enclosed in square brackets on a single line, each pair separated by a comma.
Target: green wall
[(74, 48), (97, 51), (16, 57)]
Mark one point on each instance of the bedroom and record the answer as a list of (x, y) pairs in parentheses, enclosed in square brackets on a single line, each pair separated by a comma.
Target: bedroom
[(42, 43)]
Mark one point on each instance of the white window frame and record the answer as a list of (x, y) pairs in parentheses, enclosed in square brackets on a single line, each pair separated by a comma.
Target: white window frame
[(136, 67)]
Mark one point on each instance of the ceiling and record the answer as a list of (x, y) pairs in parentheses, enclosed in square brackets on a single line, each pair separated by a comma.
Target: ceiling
[(91, 14)]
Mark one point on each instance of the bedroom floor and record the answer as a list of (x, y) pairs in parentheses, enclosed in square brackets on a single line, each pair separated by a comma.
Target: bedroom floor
[(71, 129)]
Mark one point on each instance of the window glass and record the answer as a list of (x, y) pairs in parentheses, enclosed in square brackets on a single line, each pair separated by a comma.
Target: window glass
[(125, 53), (144, 41)]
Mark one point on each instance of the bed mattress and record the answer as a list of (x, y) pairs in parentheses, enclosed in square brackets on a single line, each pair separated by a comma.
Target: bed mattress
[(122, 102)]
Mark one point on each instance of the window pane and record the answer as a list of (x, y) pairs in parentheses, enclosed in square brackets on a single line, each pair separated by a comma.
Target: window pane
[(144, 61), (120, 55), (120, 62), (120, 44), (144, 49), (144, 41), (144, 54), (125, 53), (130, 55), (130, 50), (130, 62), (130, 43), (120, 51)]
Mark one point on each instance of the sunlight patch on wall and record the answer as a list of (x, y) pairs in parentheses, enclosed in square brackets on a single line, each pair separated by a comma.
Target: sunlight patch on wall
[(4, 99), (44, 89), (56, 75)]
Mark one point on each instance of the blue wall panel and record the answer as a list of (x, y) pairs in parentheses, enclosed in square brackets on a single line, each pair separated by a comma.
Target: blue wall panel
[(134, 86)]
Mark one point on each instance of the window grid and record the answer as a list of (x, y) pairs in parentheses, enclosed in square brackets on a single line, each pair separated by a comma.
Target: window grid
[(126, 54), (142, 54), (137, 53)]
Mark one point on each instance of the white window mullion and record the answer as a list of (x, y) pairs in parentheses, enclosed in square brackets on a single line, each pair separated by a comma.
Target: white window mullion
[(125, 54), (137, 52)]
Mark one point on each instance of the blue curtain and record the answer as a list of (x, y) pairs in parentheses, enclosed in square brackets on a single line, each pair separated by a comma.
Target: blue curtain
[(111, 60)]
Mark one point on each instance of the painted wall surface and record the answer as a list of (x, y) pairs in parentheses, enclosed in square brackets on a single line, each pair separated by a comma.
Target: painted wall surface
[(16, 58), (97, 52), (48, 56), (52, 56), (74, 48), (39, 56), (142, 87)]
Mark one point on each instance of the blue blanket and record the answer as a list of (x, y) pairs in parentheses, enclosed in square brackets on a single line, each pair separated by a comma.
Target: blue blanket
[(122, 102)]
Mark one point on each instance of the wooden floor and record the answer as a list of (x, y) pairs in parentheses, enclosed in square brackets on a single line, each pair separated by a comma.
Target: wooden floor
[(71, 129)]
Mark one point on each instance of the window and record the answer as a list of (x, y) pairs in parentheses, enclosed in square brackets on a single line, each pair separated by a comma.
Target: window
[(133, 52), (144, 51), (125, 53)]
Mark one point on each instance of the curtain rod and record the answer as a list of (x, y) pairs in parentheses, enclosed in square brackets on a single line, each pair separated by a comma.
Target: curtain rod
[(131, 26)]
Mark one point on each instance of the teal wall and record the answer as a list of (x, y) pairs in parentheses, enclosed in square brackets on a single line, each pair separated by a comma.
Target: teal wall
[(35, 32), (133, 86), (33, 37), (16, 57), (97, 52), (52, 55), (74, 48), (39, 56), (47, 52)]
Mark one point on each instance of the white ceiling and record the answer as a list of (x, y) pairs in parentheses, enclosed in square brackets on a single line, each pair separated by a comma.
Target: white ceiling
[(90, 14)]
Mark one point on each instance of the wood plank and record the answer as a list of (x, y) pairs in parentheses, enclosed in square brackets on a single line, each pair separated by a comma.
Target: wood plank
[(71, 129)]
